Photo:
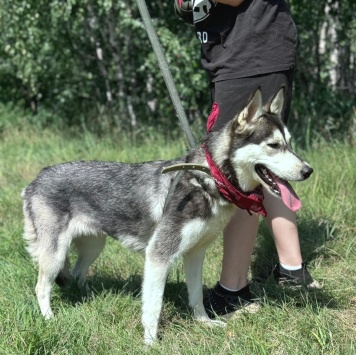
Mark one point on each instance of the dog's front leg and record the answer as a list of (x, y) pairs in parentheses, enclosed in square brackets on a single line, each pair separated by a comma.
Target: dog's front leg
[(155, 276), (193, 267)]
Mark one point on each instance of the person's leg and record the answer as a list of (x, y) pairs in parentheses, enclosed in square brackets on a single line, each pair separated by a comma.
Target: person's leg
[(239, 240), (232, 292), (283, 224), (240, 234)]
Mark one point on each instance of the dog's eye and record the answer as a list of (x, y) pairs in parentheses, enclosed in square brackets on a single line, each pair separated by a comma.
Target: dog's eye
[(273, 145)]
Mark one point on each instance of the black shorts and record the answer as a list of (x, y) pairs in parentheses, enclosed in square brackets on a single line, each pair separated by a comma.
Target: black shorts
[(233, 95)]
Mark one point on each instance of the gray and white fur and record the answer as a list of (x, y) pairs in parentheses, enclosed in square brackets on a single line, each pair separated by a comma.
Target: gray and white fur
[(82, 203)]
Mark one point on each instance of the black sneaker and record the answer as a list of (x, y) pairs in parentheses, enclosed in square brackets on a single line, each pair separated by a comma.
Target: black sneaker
[(294, 278), (223, 303)]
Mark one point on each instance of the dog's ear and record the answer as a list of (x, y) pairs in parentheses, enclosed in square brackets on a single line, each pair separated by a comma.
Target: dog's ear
[(277, 103), (250, 112)]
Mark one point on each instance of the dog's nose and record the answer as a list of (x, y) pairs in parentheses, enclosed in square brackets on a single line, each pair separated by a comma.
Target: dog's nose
[(306, 171)]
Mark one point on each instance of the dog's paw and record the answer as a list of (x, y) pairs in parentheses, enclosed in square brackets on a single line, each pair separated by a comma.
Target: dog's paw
[(49, 315), (149, 341), (150, 336)]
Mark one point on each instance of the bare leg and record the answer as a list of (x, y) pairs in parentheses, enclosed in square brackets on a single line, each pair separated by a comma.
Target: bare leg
[(283, 224), (239, 239), (240, 235)]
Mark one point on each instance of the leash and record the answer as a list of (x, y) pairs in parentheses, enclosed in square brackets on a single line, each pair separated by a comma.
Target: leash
[(253, 201), (163, 64)]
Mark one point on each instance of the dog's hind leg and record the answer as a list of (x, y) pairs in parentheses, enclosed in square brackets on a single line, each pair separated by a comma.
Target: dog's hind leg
[(64, 277), (47, 242), (155, 276), (43, 292), (51, 261), (88, 249)]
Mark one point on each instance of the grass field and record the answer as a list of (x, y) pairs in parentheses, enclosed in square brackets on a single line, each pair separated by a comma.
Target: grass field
[(108, 322)]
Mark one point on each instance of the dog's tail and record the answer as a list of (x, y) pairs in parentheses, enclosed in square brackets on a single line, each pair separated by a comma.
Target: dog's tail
[(30, 234), (37, 247)]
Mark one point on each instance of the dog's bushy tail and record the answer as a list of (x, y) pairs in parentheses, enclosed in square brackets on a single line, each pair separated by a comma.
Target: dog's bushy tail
[(30, 234)]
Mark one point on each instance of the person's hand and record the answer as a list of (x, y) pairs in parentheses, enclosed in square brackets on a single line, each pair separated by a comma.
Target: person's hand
[(184, 10)]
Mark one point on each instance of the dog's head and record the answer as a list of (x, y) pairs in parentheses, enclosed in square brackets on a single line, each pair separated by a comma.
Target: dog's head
[(260, 149)]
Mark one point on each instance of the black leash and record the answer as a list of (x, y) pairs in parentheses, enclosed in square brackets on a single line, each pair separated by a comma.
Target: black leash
[(162, 61)]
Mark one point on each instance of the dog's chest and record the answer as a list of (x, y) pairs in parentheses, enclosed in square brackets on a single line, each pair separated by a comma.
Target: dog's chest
[(199, 232)]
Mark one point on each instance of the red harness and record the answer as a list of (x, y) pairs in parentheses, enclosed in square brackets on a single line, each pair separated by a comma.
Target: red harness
[(252, 201)]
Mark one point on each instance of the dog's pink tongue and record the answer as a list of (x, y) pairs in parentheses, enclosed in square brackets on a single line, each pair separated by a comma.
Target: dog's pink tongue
[(289, 196)]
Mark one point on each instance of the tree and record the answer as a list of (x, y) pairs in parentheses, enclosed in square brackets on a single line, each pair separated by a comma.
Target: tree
[(89, 63)]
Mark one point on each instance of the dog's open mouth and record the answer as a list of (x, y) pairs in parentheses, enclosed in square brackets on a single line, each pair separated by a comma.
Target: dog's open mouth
[(279, 187)]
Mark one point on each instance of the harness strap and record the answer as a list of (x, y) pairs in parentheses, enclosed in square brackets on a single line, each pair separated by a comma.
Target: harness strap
[(172, 188), (180, 168)]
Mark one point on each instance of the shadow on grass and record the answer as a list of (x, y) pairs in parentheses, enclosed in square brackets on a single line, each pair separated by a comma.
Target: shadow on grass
[(175, 293), (313, 236)]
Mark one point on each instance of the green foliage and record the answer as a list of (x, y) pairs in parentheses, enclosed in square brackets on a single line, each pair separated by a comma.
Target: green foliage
[(91, 63), (325, 96)]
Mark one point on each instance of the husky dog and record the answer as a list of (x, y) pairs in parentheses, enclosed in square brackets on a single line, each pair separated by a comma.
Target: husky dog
[(82, 203)]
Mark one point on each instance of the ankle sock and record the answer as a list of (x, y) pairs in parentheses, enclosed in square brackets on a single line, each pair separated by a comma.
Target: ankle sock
[(228, 292), (228, 289), (291, 268)]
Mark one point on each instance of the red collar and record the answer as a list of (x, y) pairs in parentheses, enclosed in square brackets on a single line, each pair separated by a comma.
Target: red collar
[(252, 201)]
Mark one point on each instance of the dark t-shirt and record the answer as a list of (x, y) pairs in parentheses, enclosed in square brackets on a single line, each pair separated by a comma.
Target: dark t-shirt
[(257, 37)]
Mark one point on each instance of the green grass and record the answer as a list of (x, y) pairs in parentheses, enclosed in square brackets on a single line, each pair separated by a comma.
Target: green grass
[(108, 322)]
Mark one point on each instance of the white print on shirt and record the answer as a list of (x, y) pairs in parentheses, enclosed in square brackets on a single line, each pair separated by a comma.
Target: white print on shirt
[(203, 36), (201, 9)]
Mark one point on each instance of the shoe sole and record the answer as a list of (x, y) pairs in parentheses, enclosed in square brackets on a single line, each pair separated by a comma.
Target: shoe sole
[(249, 309), (312, 286)]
